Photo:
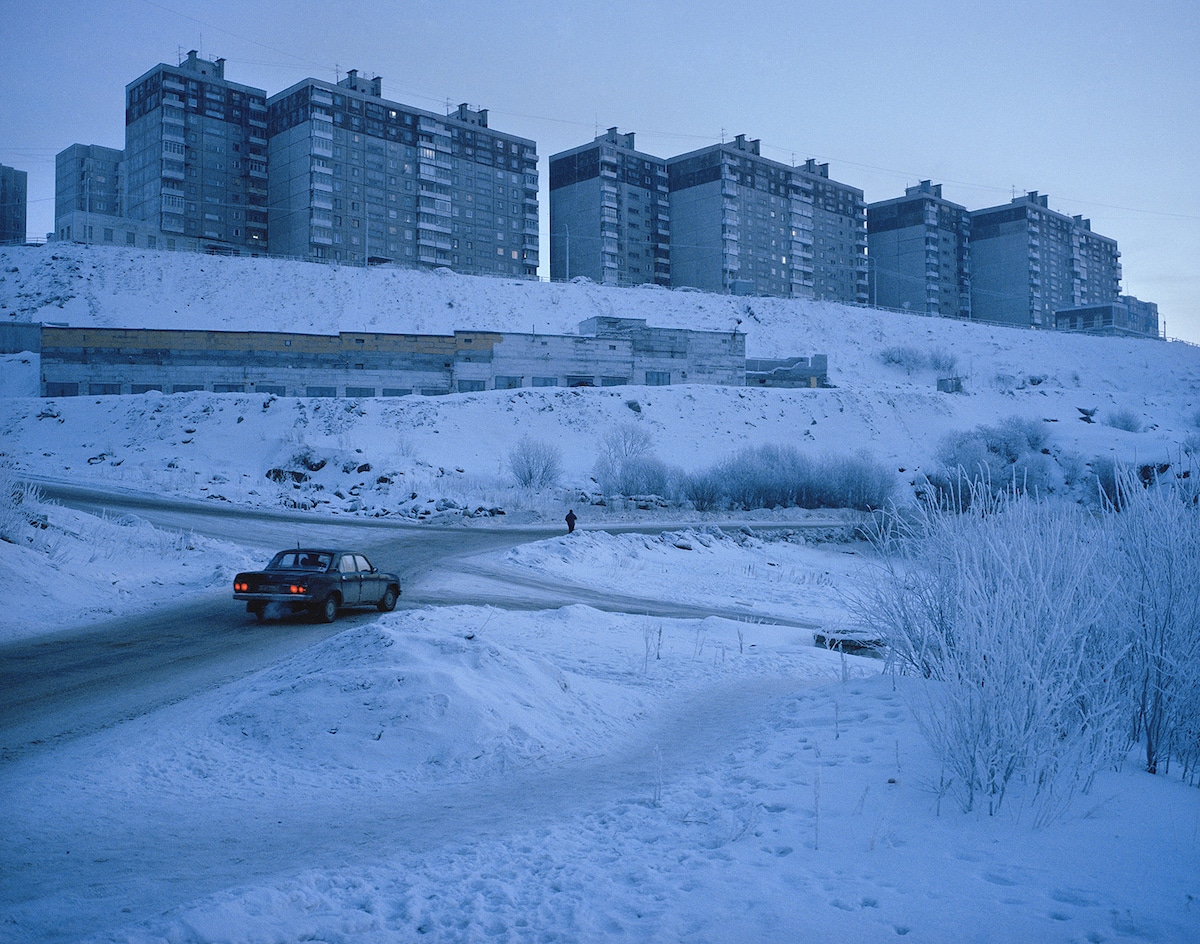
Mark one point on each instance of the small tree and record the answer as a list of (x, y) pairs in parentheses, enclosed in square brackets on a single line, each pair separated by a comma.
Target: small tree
[(534, 464)]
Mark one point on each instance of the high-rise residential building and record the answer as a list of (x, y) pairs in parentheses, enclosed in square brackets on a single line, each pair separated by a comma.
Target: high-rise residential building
[(1029, 261), (740, 223), (88, 190), (196, 156), (839, 237), (357, 178), (609, 213), (14, 204), (920, 253)]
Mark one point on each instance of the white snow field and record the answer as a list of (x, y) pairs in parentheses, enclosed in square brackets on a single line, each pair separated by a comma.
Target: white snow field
[(478, 774)]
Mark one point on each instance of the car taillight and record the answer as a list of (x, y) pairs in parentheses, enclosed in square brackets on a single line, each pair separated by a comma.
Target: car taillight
[(298, 588), (241, 586)]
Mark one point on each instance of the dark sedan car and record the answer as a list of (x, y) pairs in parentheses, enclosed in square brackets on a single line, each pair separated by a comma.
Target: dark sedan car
[(318, 582)]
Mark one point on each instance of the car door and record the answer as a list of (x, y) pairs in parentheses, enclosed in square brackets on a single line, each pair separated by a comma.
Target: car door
[(372, 581), (351, 580)]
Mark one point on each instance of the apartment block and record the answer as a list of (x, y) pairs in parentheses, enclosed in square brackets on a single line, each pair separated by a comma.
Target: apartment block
[(610, 213), (740, 223), (920, 253), (196, 156), (1029, 262), (839, 219), (359, 179), (14, 202)]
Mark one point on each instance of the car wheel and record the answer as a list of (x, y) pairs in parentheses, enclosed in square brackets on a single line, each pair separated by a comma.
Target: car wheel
[(327, 609), (388, 603), (258, 610)]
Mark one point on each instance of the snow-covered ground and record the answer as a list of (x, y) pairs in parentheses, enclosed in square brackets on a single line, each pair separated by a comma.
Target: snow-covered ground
[(479, 774)]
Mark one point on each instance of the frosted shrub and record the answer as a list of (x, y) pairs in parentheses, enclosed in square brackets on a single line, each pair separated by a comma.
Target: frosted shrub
[(942, 361), (627, 466), (1154, 547), (1003, 610), (783, 477), (908, 358), (1124, 419), (16, 501), (534, 464), (1006, 456)]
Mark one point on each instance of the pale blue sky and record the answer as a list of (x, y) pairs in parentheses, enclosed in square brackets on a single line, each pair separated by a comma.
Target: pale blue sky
[(1096, 104)]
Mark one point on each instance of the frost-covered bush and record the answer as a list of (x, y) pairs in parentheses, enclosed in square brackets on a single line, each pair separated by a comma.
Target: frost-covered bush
[(783, 477), (17, 501), (942, 361), (1154, 547), (1004, 611), (1005, 456), (626, 464), (1124, 419), (908, 358), (535, 464)]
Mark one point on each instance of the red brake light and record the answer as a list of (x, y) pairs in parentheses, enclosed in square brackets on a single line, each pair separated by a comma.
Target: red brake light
[(298, 588)]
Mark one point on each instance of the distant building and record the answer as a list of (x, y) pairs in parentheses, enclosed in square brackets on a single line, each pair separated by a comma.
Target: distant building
[(1126, 316), (196, 156), (357, 178), (839, 237), (1029, 262), (920, 253), (606, 352), (88, 191), (740, 223), (14, 201), (609, 213)]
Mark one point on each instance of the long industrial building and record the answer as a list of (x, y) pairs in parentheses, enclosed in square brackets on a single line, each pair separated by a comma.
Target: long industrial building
[(606, 352)]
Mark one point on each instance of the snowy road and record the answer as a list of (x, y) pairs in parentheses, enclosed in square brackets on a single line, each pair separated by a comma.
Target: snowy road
[(76, 682)]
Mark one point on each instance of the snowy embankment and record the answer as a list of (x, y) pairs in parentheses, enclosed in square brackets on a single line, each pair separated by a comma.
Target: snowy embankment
[(472, 774)]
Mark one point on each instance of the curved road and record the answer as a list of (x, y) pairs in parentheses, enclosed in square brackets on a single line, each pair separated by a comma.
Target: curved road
[(64, 685)]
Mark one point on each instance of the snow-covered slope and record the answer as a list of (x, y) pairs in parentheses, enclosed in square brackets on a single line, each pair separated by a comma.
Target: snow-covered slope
[(884, 399)]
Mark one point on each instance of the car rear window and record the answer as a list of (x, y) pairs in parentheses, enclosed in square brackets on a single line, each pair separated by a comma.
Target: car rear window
[(300, 560)]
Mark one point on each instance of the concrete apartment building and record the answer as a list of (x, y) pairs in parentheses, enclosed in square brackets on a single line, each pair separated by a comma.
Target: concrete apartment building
[(839, 236), (920, 253), (609, 213), (1029, 262), (356, 178), (196, 156), (14, 204), (89, 194), (740, 223)]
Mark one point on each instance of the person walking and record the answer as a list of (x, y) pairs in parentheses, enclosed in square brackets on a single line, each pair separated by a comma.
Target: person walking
[(570, 520)]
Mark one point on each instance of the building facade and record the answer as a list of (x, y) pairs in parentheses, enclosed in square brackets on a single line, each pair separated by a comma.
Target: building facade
[(606, 352), (920, 253), (740, 223), (196, 156), (14, 203), (839, 218), (357, 179), (1029, 262), (610, 213)]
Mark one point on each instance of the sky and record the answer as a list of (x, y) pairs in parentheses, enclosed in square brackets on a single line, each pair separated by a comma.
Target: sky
[(1090, 103)]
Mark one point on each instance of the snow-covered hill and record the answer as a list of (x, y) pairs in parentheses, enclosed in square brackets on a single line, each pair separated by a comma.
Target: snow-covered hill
[(882, 365)]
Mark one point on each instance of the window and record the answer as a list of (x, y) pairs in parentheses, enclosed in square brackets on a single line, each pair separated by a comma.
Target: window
[(508, 383), (56, 388), (658, 378), (545, 381), (471, 386), (360, 391), (104, 389), (276, 389), (397, 391), (320, 391), (146, 388), (229, 388)]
